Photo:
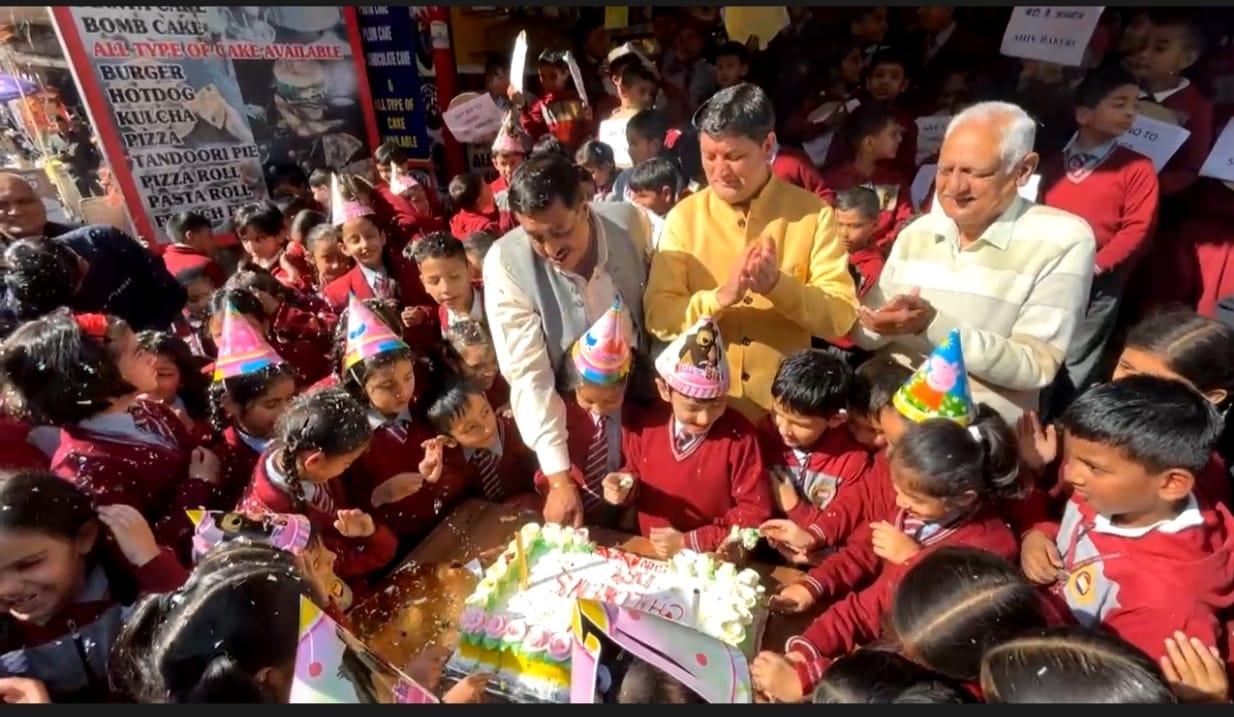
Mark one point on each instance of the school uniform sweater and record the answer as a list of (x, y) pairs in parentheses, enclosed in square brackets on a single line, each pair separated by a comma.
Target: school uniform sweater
[(836, 465), (69, 652), (16, 450), (293, 254), (396, 449), (794, 166), (559, 114), (1143, 584), (895, 202), (596, 448), (466, 221), (406, 289), (180, 257), (1195, 114), (1112, 188), (357, 557), (314, 326), (396, 217), (716, 481), (237, 454), (501, 473), (868, 584), (865, 266), (139, 459), (905, 162)]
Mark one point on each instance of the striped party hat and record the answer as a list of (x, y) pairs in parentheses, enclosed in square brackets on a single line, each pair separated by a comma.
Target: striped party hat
[(367, 335), (241, 348), (602, 355)]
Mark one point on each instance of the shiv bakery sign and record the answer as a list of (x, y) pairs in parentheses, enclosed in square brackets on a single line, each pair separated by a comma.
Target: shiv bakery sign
[(191, 102)]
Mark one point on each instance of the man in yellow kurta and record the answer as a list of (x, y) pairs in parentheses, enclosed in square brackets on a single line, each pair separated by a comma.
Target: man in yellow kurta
[(759, 255)]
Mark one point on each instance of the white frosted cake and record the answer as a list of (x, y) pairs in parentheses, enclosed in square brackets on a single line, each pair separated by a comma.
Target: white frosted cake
[(523, 636)]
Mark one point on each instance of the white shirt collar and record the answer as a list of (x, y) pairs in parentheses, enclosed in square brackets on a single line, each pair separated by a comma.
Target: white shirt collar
[(1161, 96), (1189, 517), (941, 38)]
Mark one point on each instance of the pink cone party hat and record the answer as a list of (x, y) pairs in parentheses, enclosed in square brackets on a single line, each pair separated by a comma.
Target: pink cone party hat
[(511, 138), (695, 364), (367, 335), (939, 388), (401, 181), (283, 531), (602, 355), (241, 349), (344, 209)]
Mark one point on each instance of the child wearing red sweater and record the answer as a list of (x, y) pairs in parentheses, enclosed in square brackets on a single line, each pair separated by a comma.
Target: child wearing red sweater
[(887, 78), (811, 456), (558, 111), (596, 426), (874, 134), (509, 149), (400, 479), (316, 441), (1136, 552), (946, 478), (192, 246), (475, 209), (1112, 188), (445, 273), (858, 212), (262, 230), (693, 466)]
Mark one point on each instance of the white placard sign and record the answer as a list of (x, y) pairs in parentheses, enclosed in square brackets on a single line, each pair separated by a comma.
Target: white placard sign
[(613, 133), (930, 131), (818, 147), (1154, 139), (1220, 162), (1050, 34), (476, 120)]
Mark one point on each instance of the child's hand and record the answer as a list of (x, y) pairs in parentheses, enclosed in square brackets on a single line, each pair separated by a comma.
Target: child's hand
[(1196, 673), (666, 541), (354, 523), (775, 677), (784, 491), (23, 691), (617, 487), (785, 532), (204, 466), (467, 691), (791, 600), (1039, 558), (413, 316), (1038, 444), (430, 465), (891, 544), (132, 533), (396, 488)]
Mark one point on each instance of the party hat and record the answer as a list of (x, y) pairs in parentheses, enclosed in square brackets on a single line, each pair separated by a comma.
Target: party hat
[(695, 363), (241, 349), (367, 335), (511, 138), (344, 209), (401, 181), (939, 388), (283, 531), (602, 355)]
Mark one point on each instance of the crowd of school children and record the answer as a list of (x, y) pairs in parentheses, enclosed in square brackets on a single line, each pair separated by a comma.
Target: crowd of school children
[(342, 374)]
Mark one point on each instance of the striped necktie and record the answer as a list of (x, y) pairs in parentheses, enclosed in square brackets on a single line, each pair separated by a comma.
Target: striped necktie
[(597, 464), (490, 481)]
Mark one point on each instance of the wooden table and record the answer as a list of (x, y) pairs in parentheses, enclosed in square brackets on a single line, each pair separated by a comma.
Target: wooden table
[(412, 617)]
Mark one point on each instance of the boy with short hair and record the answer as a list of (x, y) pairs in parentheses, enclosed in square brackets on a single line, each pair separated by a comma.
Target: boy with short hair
[(636, 88), (732, 64), (694, 468), (645, 138), (1115, 190), (474, 208), (1135, 552), (857, 215), (446, 275), (653, 185), (498, 463), (192, 246), (873, 133), (885, 82), (875, 382), (262, 230)]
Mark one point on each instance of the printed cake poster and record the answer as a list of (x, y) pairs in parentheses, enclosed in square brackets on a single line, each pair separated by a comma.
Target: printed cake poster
[(191, 102), (334, 667), (607, 638)]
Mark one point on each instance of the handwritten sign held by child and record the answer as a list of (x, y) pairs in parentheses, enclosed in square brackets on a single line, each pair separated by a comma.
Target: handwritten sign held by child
[(1050, 34), (1220, 162), (1154, 139)]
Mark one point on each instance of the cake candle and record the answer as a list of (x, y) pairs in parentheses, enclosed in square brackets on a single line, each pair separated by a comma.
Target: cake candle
[(521, 556), (698, 599)]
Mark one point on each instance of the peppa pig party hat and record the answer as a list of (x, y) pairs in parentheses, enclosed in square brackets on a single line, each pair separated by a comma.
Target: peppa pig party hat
[(602, 355), (367, 335), (695, 364), (939, 388), (342, 209), (241, 349)]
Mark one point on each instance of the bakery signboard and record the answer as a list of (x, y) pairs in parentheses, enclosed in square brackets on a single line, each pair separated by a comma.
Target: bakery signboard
[(190, 102)]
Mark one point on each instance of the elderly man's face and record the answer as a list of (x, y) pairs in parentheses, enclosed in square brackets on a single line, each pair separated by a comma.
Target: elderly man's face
[(22, 213), (973, 186), (736, 167), (559, 234)]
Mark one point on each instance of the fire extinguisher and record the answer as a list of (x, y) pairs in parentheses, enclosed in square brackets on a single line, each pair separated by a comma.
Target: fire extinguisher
[(437, 17)]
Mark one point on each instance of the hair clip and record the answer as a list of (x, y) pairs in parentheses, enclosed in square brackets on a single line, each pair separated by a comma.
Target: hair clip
[(92, 325)]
